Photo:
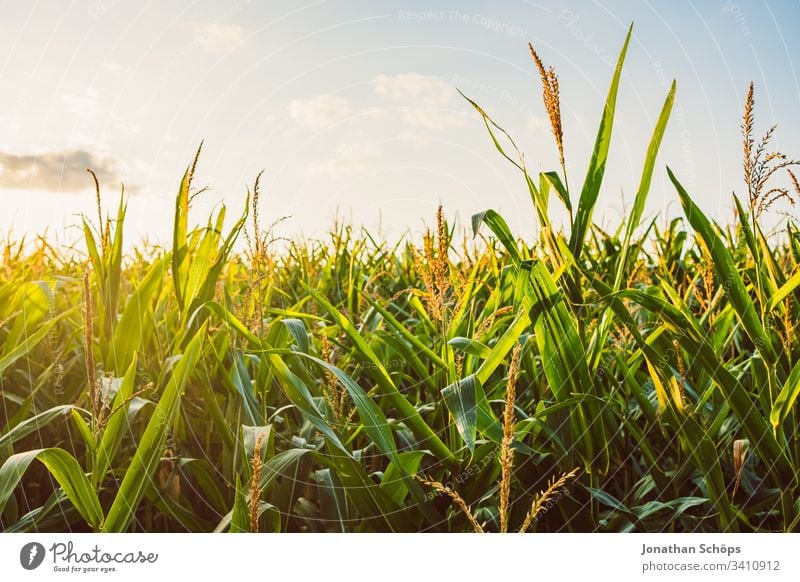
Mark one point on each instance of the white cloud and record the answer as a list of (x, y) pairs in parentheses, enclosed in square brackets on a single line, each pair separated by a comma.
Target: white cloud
[(432, 118), (218, 36), (413, 88), (424, 99), (348, 159), (319, 112)]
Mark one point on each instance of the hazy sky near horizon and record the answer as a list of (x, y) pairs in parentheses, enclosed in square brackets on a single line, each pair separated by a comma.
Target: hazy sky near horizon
[(352, 105)]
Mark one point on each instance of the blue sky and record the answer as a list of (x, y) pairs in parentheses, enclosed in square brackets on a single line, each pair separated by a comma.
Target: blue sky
[(350, 106)]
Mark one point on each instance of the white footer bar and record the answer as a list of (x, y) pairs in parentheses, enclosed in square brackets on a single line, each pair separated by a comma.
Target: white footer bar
[(395, 557)]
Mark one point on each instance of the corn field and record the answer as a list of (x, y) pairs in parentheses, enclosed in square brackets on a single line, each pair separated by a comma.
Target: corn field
[(571, 380)]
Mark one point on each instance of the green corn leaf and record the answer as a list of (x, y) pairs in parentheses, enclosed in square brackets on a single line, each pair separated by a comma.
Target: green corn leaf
[(202, 255), (561, 191), (128, 335), (65, 470), (470, 346), (31, 341), (115, 425), (786, 289), (461, 400), (410, 414), (755, 426), (786, 398), (564, 361), (403, 331), (34, 424), (597, 166), (180, 241), (240, 516), (298, 331), (243, 385), (148, 454), (83, 430), (333, 500), (644, 185), (503, 347), (377, 427), (374, 420), (393, 481), (207, 477), (726, 271), (499, 227)]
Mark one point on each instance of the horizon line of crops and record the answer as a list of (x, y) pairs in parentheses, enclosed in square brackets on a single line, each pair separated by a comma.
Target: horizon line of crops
[(581, 383)]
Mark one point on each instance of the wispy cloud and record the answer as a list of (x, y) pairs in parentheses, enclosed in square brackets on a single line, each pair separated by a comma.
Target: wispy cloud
[(417, 89), (432, 118), (319, 112), (426, 100), (56, 171), (218, 36), (348, 160)]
